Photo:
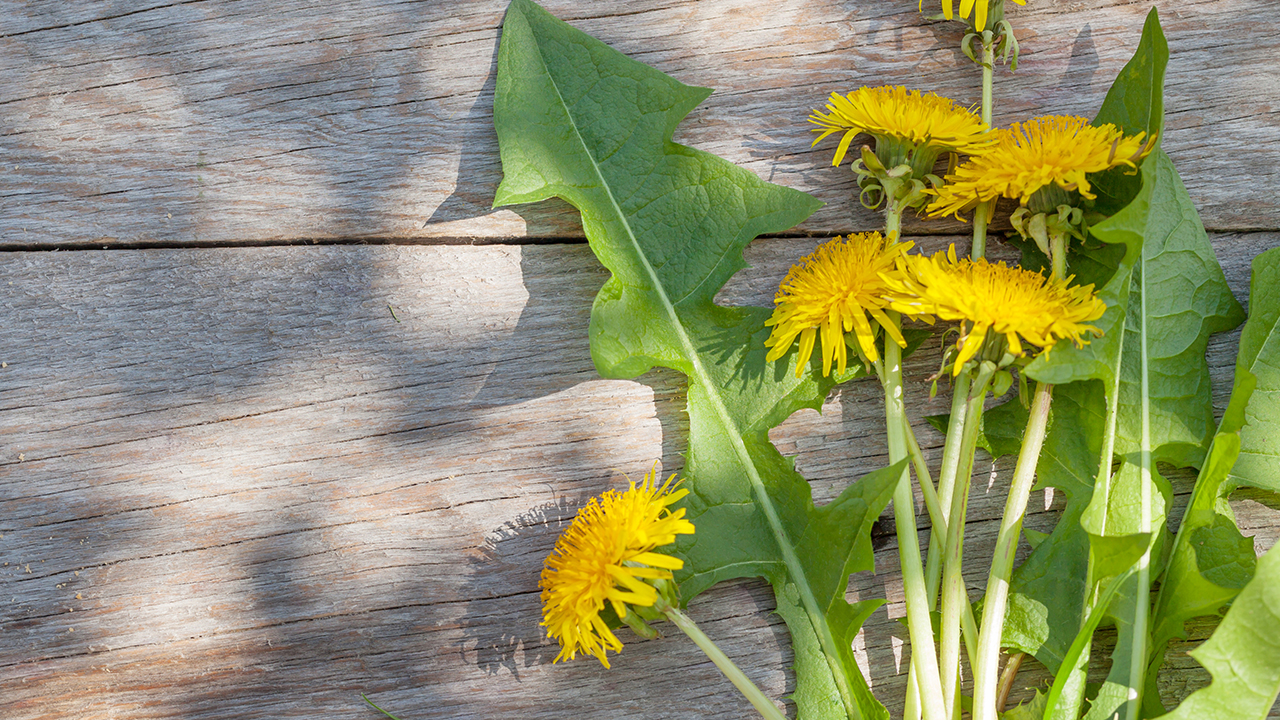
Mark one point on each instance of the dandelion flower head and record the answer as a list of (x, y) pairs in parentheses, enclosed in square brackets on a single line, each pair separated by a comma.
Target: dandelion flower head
[(605, 557), (1055, 150), (1023, 306), (893, 113), (967, 6), (832, 291)]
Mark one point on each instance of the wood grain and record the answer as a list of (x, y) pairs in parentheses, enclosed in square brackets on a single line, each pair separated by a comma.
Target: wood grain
[(256, 482), (221, 122), (240, 481)]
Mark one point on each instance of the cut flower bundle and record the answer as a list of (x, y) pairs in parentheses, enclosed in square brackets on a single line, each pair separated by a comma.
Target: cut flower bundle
[(1067, 355)]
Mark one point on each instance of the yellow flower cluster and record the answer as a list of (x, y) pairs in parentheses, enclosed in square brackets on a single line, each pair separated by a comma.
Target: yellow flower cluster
[(605, 557), (894, 113), (833, 290), (1021, 305), (836, 287), (1051, 150)]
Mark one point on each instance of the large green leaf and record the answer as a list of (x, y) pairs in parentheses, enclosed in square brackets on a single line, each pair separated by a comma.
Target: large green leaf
[(580, 121), (1159, 392), (1211, 560), (1140, 393), (1243, 655)]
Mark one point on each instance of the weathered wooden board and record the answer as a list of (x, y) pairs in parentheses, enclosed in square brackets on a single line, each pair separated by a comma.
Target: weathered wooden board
[(221, 122), (256, 482)]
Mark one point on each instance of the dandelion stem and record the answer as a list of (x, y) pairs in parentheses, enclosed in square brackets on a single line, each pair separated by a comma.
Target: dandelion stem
[(758, 699), (1006, 679), (919, 626), (988, 73), (1058, 248), (979, 249), (947, 483), (931, 503), (892, 221), (985, 680), (924, 659), (954, 596)]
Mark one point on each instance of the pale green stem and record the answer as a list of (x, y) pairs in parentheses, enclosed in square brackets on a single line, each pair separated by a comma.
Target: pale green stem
[(758, 700), (1007, 678), (985, 675), (924, 659), (919, 626), (939, 532), (979, 249), (892, 221), (988, 76), (931, 502), (911, 711), (954, 595), (946, 484), (1058, 247)]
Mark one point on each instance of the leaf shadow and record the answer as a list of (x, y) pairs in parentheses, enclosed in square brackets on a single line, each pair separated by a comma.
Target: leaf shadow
[(480, 170)]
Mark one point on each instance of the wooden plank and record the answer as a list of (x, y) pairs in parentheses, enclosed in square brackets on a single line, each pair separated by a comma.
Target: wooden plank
[(256, 482), (227, 122)]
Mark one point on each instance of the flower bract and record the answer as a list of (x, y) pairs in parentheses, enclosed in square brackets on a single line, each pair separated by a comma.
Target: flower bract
[(1023, 306), (892, 113), (982, 8), (840, 287), (1055, 150), (605, 556)]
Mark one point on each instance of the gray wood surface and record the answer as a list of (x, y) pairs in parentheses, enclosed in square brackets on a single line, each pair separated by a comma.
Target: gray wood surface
[(240, 495), (245, 477), (231, 122)]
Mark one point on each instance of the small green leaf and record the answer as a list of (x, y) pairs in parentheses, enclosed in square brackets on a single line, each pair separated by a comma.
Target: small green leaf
[(1032, 709), (1243, 655), (580, 121), (1255, 400)]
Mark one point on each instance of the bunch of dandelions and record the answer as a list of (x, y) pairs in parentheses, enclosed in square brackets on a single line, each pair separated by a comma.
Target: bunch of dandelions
[(607, 562), (1004, 316)]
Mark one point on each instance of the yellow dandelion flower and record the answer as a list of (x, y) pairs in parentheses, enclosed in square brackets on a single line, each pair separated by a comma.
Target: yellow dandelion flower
[(967, 6), (1055, 150), (605, 556), (1023, 306), (833, 290), (892, 112)]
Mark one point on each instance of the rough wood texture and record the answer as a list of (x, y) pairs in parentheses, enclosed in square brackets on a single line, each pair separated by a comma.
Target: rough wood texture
[(235, 484), (229, 122), (240, 481)]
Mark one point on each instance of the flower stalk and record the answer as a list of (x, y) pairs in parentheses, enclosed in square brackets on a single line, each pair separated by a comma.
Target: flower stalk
[(924, 659), (955, 599), (982, 212), (919, 626), (985, 675), (753, 694)]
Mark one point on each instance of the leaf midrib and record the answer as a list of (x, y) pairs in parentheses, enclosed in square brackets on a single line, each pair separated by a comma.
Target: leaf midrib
[(790, 559)]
